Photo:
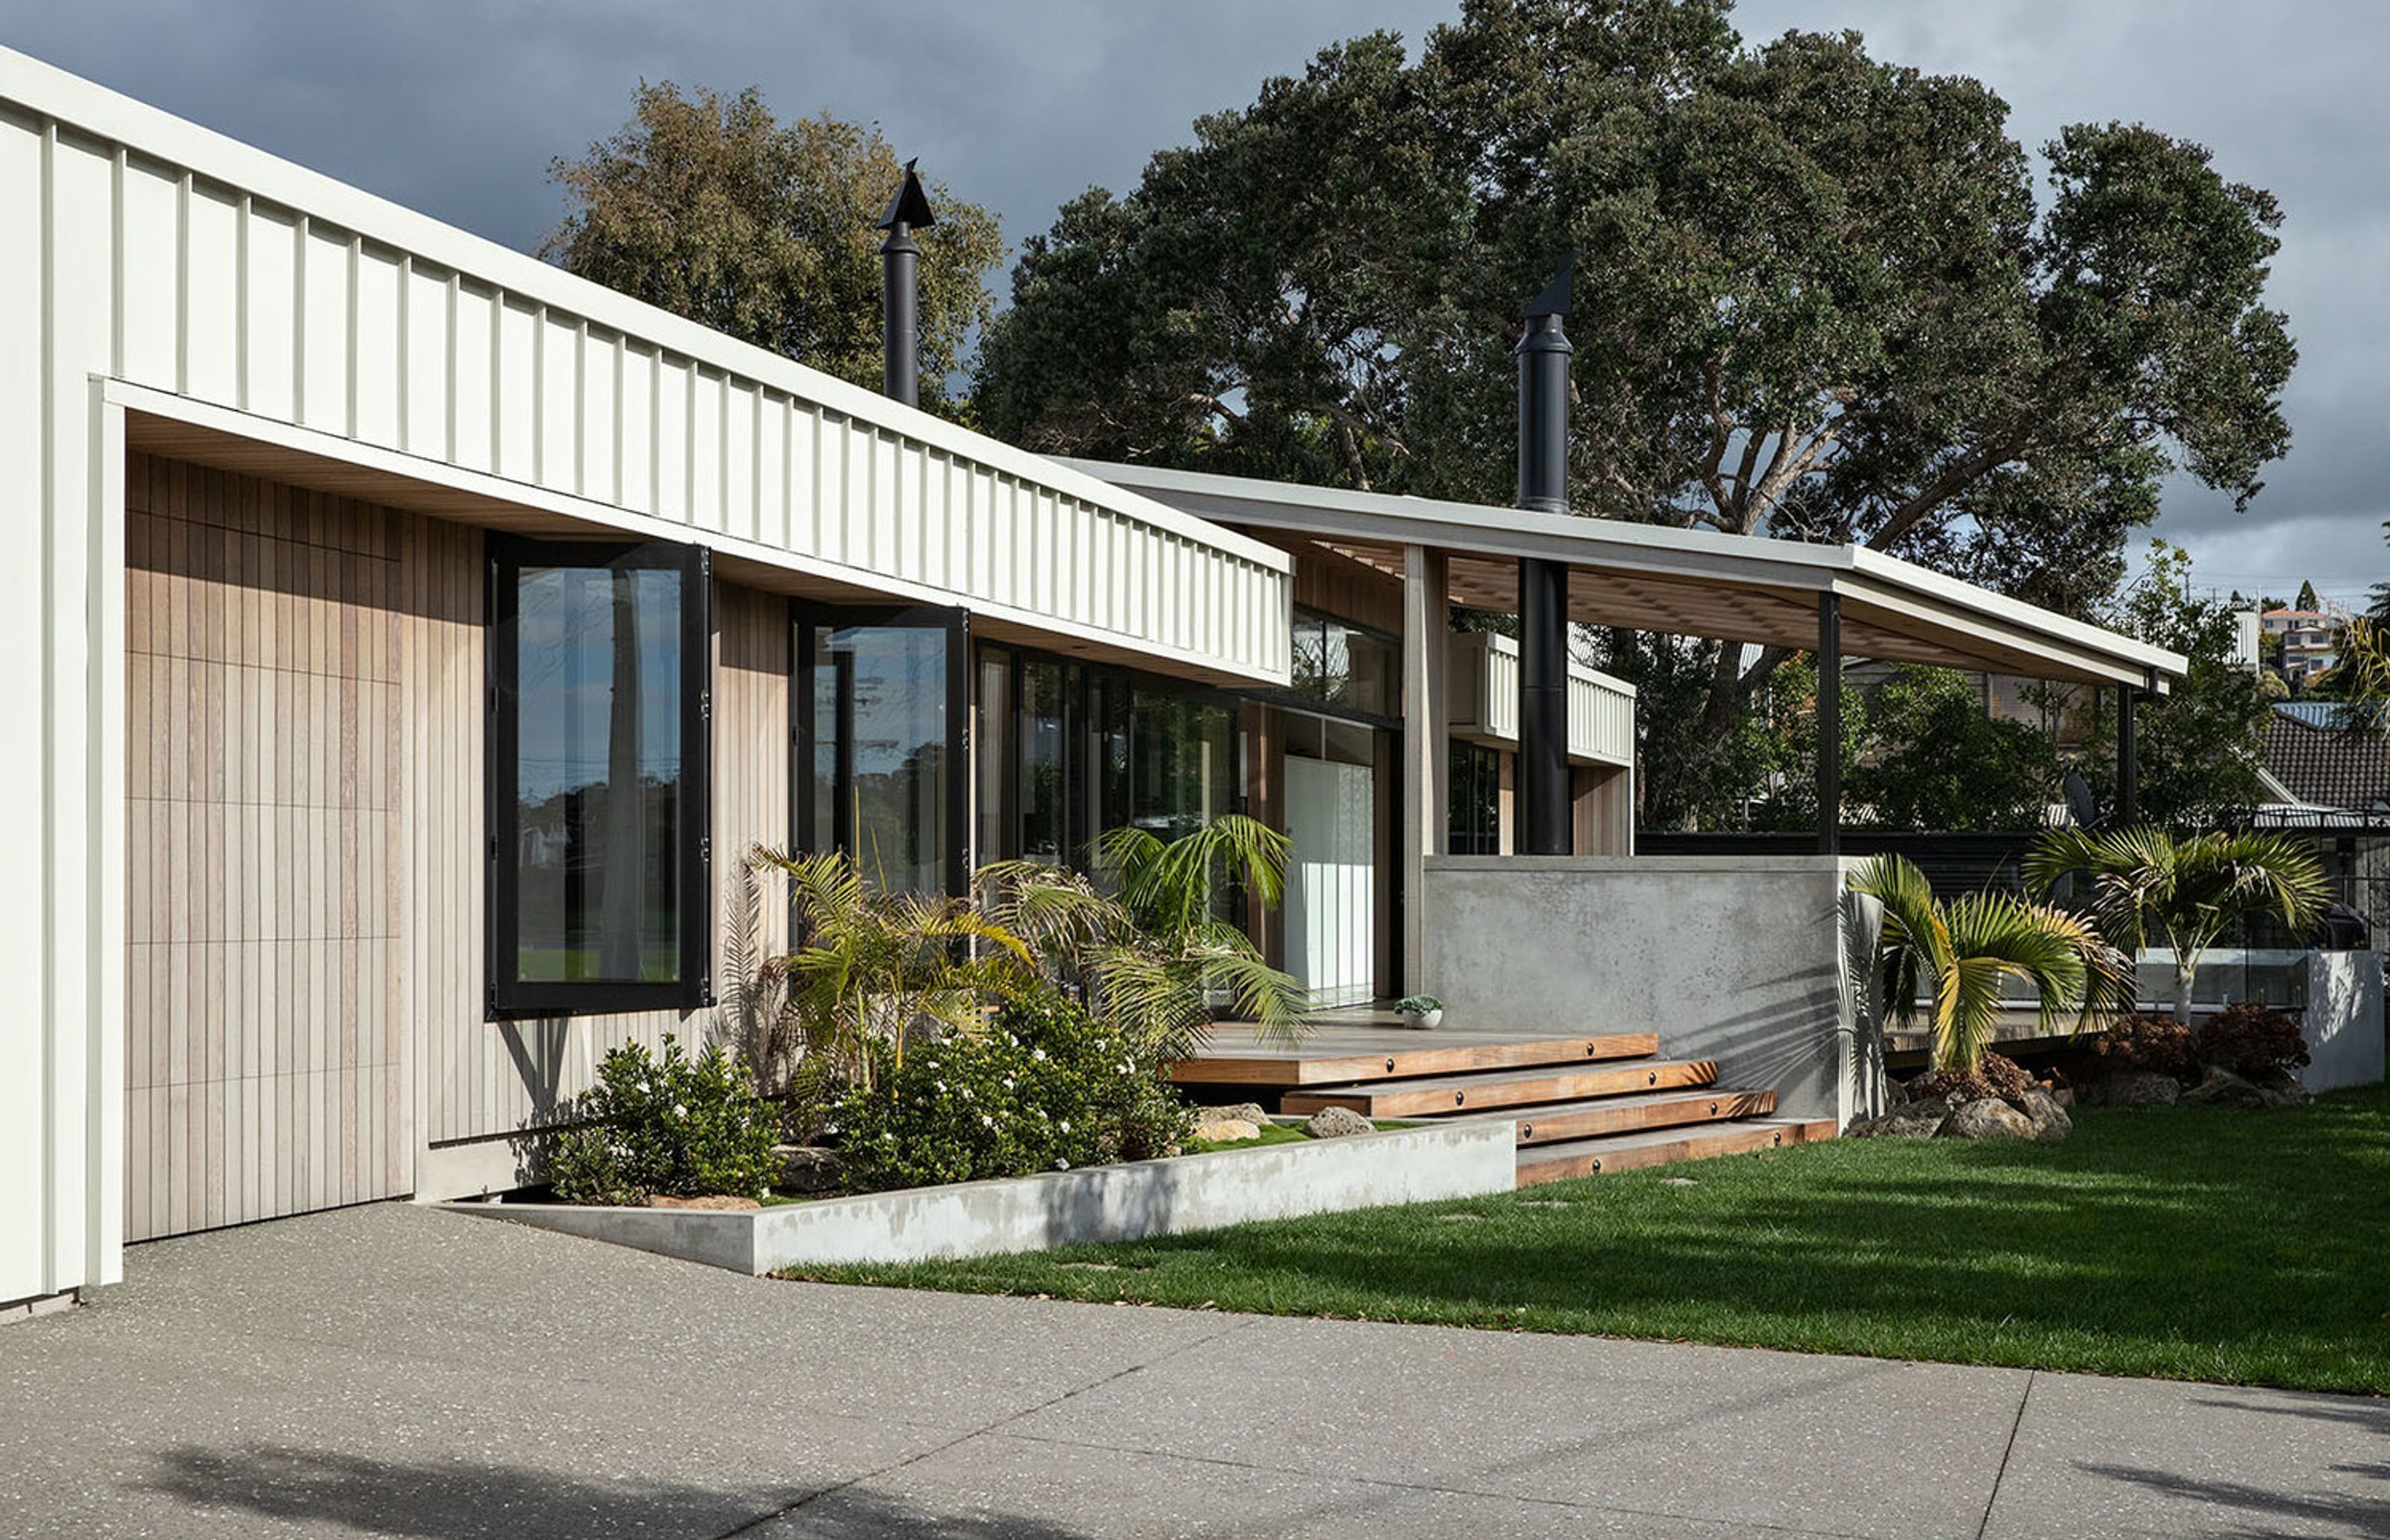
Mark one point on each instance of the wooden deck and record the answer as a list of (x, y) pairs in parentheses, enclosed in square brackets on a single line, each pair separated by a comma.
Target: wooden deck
[(1362, 1045)]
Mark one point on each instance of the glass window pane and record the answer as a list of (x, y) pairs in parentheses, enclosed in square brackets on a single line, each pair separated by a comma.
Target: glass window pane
[(598, 774), (1045, 827), (881, 751), (993, 722)]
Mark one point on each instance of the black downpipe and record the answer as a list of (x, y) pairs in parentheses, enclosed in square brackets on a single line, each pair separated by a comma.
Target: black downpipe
[(2128, 759), (1543, 352), (900, 297), (1830, 724)]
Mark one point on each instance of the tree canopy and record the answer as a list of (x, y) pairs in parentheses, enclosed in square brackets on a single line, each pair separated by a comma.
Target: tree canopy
[(708, 206), (1817, 299)]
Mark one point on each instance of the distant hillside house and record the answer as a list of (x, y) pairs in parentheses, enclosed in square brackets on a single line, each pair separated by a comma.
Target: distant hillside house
[(2310, 640)]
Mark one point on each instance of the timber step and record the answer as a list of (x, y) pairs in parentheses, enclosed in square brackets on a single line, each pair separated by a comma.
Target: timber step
[(1632, 1114), (1394, 1055), (1558, 1161), (1485, 1092)]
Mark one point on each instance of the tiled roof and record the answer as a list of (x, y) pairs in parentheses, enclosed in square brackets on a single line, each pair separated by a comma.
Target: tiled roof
[(2321, 763)]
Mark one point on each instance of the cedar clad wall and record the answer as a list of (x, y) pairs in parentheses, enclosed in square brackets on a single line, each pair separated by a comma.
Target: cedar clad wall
[(305, 1001), (266, 1062)]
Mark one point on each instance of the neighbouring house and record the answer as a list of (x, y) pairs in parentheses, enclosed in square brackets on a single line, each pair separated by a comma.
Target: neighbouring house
[(410, 636), (2309, 640)]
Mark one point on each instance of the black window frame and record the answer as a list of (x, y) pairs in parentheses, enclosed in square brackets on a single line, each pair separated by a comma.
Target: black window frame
[(509, 997), (806, 616)]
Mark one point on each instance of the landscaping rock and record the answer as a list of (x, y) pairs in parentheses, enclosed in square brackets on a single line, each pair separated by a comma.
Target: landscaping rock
[(2042, 1110), (2135, 1088), (2221, 1087), (1249, 1111), (1337, 1122), (2281, 1088), (1226, 1130), (808, 1168), (2062, 1095), (1986, 1118), (1905, 1121)]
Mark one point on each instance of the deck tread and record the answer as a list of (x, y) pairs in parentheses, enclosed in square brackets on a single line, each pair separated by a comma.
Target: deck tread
[(1485, 1092), (1559, 1161), (1550, 1123), (1349, 1057)]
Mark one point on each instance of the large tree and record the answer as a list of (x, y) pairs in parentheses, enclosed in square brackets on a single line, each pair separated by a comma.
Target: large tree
[(1817, 299), (708, 206)]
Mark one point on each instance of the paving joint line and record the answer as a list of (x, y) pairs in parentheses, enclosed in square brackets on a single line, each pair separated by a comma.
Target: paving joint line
[(1571, 1503), (777, 1514), (1992, 1501)]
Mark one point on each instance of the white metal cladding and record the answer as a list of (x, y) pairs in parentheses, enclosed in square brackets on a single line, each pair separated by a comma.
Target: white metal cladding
[(1484, 692), (137, 247)]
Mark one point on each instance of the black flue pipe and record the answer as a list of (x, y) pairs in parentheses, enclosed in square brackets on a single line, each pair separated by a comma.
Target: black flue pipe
[(900, 292), (2128, 759), (1830, 724), (1547, 827)]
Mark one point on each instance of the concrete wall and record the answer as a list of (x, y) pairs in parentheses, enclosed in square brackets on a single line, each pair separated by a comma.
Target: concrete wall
[(1756, 962), (2343, 1022)]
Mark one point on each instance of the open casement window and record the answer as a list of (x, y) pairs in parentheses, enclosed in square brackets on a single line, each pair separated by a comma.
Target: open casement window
[(598, 770), (882, 764)]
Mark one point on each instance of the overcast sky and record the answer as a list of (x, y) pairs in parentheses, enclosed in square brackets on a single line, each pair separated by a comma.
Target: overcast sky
[(455, 106)]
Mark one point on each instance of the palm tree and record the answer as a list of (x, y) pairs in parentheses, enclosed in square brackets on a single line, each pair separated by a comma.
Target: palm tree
[(2149, 887), (1957, 954), (871, 968), (1144, 945)]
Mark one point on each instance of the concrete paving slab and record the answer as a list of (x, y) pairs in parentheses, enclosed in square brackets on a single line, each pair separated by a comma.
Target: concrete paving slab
[(1660, 1428), (401, 1371), (997, 1487), (2133, 1457)]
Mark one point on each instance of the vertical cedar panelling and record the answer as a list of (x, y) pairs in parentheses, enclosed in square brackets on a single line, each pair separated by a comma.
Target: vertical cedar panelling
[(265, 792)]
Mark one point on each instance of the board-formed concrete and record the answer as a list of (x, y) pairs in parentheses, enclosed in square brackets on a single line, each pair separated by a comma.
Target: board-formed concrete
[(1128, 1201), (402, 1371)]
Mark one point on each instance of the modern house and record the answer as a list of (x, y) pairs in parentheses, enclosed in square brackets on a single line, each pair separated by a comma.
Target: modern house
[(408, 637)]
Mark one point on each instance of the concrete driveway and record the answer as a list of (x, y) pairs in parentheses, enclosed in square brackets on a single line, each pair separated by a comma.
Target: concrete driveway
[(393, 1370)]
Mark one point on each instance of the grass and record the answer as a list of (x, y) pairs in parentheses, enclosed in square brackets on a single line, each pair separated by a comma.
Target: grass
[(1276, 1132), (2194, 1243)]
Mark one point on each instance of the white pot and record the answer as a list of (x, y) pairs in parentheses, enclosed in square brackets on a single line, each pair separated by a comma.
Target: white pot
[(1423, 1020)]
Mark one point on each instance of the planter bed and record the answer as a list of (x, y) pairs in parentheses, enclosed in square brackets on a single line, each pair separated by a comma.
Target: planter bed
[(1058, 1208)]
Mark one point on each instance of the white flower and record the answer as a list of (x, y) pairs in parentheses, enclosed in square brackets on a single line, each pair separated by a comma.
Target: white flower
[(1064, 1125), (987, 1121), (1008, 1082), (1037, 1054), (1061, 1165), (680, 1109)]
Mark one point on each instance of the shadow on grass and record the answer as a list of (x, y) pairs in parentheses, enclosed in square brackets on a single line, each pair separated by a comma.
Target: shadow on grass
[(473, 1499), (2191, 1243)]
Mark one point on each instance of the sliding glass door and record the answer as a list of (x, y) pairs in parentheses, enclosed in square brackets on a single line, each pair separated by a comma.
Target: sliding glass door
[(882, 771)]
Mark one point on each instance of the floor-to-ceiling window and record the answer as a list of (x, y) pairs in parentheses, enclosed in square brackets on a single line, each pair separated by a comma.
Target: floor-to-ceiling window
[(883, 775), (598, 660)]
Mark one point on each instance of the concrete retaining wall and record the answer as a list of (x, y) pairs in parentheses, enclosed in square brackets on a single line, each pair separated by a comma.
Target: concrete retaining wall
[(1029, 1214), (2342, 1020), (1757, 962)]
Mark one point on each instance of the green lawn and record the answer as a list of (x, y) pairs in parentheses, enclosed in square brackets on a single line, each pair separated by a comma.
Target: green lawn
[(2180, 1242)]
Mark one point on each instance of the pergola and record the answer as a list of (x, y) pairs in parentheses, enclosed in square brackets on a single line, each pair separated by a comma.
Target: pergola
[(1839, 600)]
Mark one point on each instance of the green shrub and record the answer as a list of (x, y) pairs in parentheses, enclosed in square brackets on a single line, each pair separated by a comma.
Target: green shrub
[(669, 1125), (2159, 1043), (2251, 1039), (1043, 1087)]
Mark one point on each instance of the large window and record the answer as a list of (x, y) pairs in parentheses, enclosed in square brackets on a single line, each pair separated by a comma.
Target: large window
[(884, 744), (1476, 776), (597, 774), (1339, 664)]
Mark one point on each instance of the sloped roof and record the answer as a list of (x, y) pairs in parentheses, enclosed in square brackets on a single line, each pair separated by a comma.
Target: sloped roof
[(2322, 765)]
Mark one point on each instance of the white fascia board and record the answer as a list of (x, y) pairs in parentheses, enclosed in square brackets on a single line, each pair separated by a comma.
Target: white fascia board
[(234, 423), (46, 91), (1655, 548)]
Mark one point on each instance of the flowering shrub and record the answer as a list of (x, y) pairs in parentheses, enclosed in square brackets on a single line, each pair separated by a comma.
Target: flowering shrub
[(2156, 1043), (682, 1127), (2250, 1039), (1045, 1087)]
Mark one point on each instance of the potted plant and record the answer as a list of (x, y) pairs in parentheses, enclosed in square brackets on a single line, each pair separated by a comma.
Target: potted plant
[(1421, 1012)]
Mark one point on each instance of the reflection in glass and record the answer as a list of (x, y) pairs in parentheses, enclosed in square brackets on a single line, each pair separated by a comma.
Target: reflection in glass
[(881, 750), (1476, 827), (992, 727), (1341, 665), (1045, 807), (598, 774)]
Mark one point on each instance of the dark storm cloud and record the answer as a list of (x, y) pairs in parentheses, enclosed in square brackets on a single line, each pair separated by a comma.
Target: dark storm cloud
[(456, 108)]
